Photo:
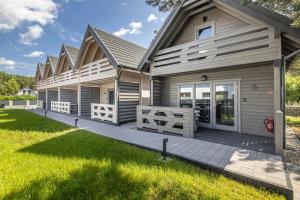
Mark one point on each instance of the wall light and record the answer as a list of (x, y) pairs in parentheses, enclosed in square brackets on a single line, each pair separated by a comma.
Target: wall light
[(204, 77)]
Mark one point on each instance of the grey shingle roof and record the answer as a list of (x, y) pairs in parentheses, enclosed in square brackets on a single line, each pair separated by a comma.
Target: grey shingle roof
[(72, 52), (40, 68), (126, 54), (53, 62)]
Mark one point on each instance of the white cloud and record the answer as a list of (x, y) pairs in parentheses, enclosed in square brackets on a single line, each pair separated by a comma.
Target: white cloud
[(122, 32), (6, 62), (15, 12), (33, 32), (152, 18), (135, 27), (123, 4), (35, 54)]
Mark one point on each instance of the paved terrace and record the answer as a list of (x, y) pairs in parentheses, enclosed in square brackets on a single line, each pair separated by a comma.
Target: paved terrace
[(265, 168)]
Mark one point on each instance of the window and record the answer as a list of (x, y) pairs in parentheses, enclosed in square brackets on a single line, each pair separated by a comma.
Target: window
[(186, 96), (111, 97), (205, 31)]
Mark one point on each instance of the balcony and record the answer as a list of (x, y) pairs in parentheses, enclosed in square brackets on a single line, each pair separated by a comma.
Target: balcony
[(99, 69), (251, 44)]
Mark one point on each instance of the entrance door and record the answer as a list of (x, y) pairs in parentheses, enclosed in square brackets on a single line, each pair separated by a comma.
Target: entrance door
[(203, 100), (225, 109)]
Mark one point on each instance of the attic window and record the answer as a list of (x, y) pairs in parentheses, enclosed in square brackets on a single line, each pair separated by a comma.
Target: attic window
[(205, 31)]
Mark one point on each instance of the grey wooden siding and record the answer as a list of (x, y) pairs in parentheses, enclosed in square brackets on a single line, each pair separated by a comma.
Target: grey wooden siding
[(256, 88), (224, 23), (89, 95), (52, 96), (67, 95), (128, 100), (42, 96), (157, 92)]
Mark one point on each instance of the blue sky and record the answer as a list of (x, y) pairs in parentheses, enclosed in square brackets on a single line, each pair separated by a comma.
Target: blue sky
[(32, 29)]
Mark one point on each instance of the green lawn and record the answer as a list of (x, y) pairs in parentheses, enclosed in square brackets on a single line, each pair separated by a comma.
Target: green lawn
[(44, 159), (294, 123)]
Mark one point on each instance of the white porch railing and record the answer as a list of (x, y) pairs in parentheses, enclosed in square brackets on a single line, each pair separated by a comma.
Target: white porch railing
[(40, 104), (166, 119), (62, 107), (104, 112)]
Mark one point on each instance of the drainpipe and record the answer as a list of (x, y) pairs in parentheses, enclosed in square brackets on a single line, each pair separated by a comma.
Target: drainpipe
[(283, 71)]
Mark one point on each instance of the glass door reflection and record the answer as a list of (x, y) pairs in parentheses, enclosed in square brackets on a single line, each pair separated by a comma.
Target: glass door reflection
[(203, 104)]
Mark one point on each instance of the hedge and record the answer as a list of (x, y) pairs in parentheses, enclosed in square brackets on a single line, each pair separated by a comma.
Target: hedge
[(21, 97)]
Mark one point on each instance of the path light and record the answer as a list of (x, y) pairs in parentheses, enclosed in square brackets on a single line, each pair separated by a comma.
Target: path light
[(46, 113), (76, 121), (164, 153)]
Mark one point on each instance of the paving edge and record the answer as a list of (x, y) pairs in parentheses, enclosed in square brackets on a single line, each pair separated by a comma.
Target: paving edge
[(287, 191)]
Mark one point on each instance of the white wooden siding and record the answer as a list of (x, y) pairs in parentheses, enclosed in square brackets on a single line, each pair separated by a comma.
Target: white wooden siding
[(259, 102)]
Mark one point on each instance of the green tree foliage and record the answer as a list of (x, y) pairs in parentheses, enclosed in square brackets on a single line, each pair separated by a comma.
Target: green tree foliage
[(290, 8), (292, 89), (11, 84)]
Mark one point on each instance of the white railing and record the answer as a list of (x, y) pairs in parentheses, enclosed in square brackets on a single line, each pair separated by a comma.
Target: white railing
[(104, 112), (166, 119), (219, 50), (95, 69), (62, 107), (40, 104)]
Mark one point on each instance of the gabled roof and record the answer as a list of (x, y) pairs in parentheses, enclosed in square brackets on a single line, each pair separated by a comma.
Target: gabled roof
[(40, 69), (280, 22), (120, 53), (71, 54), (53, 62)]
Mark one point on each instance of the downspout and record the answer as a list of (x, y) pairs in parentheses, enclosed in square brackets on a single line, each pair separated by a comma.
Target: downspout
[(283, 88)]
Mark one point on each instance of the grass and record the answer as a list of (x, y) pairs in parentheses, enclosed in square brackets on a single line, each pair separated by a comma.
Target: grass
[(44, 159), (294, 122)]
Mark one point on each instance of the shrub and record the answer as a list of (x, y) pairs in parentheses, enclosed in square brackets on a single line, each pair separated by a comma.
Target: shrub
[(21, 97)]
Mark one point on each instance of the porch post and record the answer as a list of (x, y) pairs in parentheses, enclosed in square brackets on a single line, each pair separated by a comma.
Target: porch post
[(117, 99), (58, 94), (79, 99), (46, 92), (151, 91), (278, 114)]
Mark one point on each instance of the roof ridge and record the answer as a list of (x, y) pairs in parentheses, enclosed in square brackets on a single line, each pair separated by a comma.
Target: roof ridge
[(117, 37)]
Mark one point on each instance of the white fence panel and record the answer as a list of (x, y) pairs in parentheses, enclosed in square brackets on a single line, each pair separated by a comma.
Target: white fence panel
[(104, 112), (62, 107), (166, 119)]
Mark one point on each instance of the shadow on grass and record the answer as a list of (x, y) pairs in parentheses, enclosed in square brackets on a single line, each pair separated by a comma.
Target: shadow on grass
[(107, 181), (93, 182), (25, 121)]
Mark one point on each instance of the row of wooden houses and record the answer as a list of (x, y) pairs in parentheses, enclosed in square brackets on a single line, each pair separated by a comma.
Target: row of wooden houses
[(215, 64)]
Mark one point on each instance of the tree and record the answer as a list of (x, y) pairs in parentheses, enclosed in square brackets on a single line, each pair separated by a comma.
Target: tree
[(290, 8), (12, 87), (292, 89)]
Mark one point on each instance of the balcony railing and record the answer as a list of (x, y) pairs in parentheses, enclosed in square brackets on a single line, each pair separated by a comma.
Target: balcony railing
[(91, 71), (166, 119), (104, 112), (245, 45)]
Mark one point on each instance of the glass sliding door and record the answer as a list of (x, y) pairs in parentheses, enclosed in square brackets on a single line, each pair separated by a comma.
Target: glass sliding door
[(225, 106), (186, 96), (203, 104)]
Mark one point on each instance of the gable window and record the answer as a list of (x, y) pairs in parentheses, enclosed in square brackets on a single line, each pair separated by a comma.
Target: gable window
[(205, 31)]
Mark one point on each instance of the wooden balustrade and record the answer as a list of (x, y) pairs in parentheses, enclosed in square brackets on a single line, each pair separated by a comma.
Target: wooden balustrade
[(104, 112), (166, 119), (62, 107)]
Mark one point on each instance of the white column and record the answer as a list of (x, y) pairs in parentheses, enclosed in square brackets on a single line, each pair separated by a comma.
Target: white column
[(79, 98), (117, 99), (58, 94), (278, 114), (46, 92), (151, 91)]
